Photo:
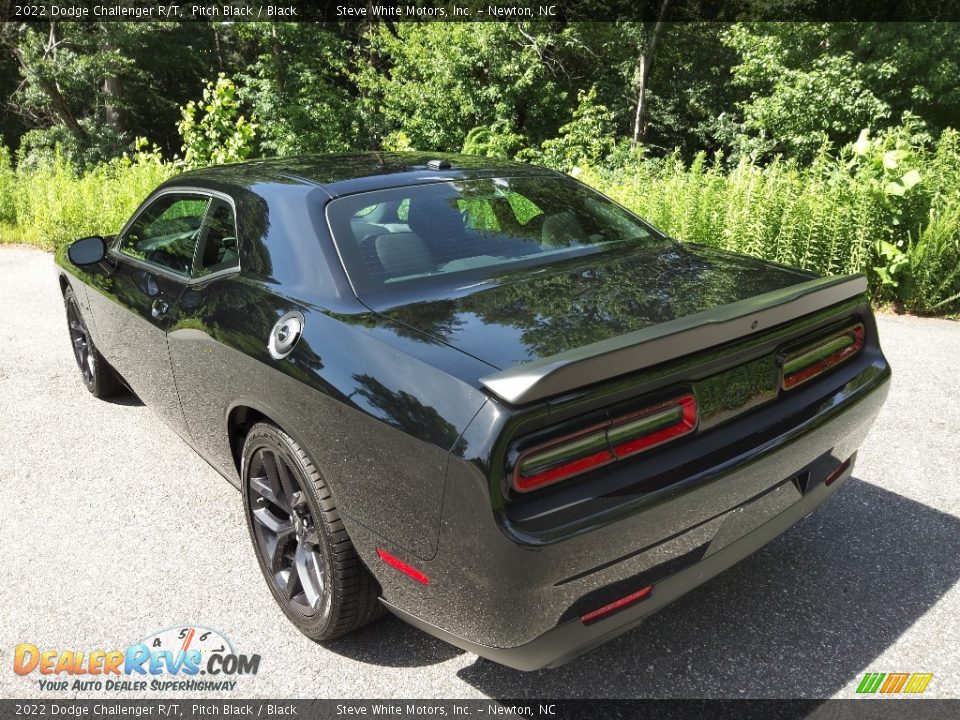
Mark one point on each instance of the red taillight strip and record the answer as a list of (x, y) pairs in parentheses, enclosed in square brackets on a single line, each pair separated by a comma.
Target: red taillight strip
[(620, 604), (685, 424), (614, 440), (809, 363), (400, 565), (569, 469)]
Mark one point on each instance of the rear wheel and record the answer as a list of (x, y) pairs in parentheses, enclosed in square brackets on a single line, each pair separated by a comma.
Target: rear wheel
[(97, 374), (306, 557)]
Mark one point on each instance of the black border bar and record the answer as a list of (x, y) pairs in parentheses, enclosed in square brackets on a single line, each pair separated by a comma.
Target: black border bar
[(873, 708), (551, 11)]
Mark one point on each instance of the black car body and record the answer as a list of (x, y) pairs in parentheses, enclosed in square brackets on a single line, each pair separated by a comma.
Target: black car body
[(467, 422)]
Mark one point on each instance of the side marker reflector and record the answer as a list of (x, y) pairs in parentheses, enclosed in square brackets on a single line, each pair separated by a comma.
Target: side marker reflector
[(620, 604), (841, 469), (400, 565)]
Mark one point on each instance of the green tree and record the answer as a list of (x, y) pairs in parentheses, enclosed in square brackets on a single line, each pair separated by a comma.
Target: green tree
[(299, 87), (90, 88), (437, 81), (804, 91)]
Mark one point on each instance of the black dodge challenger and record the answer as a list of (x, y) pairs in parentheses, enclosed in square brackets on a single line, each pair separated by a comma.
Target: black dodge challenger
[(476, 393)]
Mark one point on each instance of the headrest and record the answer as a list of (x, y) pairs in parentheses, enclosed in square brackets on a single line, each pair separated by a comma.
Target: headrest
[(403, 254)]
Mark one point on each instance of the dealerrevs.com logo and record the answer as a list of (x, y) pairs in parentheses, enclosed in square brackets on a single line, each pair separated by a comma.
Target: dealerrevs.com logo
[(185, 658)]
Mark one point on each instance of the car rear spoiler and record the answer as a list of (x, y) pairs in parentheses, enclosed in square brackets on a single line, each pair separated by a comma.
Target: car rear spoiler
[(652, 345)]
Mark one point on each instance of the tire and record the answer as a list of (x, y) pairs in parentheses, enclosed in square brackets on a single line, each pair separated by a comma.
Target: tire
[(98, 376), (293, 523)]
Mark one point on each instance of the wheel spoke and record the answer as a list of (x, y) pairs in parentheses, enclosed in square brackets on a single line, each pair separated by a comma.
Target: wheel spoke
[(277, 525), (289, 485), (266, 490), (310, 573), (275, 548), (285, 532), (293, 583), (277, 479)]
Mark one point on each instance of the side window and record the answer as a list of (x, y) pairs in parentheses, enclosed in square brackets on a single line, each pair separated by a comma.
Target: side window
[(166, 233), (218, 248)]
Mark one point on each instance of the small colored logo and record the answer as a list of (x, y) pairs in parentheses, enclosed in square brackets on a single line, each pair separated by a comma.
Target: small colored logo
[(894, 683), (170, 659)]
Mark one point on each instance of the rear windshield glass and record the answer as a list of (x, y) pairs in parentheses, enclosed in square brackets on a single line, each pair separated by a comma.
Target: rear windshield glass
[(462, 232)]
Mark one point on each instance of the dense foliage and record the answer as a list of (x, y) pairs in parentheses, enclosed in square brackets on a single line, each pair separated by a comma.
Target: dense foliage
[(823, 145)]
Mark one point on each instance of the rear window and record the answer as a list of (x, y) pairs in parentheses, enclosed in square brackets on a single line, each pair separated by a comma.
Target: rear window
[(460, 232)]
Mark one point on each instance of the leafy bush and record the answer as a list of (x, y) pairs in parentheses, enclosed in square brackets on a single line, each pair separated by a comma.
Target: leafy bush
[(216, 132), (495, 141), (887, 205)]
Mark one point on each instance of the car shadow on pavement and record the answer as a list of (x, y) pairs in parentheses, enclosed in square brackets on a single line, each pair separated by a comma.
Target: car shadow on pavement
[(126, 399), (799, 618), (390, 642)]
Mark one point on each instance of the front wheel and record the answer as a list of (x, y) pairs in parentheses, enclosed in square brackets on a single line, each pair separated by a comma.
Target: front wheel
[(306, 557), (97, 375)]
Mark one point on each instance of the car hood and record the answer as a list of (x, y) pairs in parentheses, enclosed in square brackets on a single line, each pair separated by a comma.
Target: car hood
[(534, 313)]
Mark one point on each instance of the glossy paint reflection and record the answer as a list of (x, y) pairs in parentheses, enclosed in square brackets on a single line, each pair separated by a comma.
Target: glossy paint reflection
[(532, 314)]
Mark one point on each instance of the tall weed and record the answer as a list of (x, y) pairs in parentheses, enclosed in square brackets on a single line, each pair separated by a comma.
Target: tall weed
[(53, 203)]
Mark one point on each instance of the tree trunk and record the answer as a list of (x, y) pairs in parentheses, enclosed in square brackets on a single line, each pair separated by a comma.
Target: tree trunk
[(216, 44), (642, 75), (112, 112), (279, 68), (63, 111), (111, 86)]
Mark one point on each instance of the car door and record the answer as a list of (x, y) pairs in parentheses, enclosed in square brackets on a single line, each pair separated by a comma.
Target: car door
[(154, 260), (212, 334)]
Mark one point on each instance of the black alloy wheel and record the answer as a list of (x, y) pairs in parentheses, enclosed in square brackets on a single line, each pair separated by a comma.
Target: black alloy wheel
[(307, 559), (286, 532), (98, 376)]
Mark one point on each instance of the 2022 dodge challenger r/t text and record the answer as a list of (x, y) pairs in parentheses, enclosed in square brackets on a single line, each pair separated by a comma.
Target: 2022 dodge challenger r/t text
[(474, 392)]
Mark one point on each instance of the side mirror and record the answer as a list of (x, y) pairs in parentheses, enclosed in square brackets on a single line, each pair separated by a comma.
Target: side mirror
[(87, 251)]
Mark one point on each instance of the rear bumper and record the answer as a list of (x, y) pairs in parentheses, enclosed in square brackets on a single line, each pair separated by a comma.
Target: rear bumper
[(566, 641), (520, 604)]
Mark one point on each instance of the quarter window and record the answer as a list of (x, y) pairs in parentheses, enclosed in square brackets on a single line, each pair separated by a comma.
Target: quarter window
[(218, 241)]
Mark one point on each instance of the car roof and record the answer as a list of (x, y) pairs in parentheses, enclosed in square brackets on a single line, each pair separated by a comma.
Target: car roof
[(347, 173)]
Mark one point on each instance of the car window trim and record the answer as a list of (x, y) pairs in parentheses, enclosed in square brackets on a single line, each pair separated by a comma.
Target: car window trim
[(115, 253)]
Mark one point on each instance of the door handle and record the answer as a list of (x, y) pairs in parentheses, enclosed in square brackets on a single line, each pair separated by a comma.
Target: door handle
[(159, 308)]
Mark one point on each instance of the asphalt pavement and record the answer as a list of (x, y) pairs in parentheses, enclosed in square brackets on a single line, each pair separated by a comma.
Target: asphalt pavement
[(113, 528)]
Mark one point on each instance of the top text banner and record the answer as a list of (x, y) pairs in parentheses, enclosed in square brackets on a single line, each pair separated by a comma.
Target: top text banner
[(552, 11)]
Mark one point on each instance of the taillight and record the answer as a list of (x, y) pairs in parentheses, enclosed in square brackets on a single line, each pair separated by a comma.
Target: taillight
[(653, 427), (562, 459), (824, 354), (603, 444)]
